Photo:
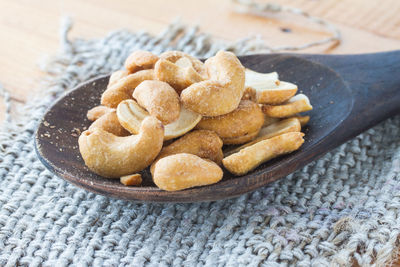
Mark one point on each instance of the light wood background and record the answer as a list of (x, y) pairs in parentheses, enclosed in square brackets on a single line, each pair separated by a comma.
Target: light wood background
[(29, 28)]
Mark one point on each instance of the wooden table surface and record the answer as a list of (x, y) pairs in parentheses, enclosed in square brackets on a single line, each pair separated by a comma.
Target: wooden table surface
[(29, 28)]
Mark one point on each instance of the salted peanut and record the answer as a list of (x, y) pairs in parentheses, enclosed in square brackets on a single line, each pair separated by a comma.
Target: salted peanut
[(278, 128), (247, 118), (178, 77), (268, 120), (159, 99), (202, 143), (116, 76), (130, 115), (178, 57), (296, 104), (124, 88), (303, 119), (109, 123), (240, 139), (222, 92), (113, 156), (140, 60), (98, 111), (181, 171), (252, 156), (132, 179)]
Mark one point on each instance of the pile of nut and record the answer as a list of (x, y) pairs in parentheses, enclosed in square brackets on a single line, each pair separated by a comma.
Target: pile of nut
[(174, 113)]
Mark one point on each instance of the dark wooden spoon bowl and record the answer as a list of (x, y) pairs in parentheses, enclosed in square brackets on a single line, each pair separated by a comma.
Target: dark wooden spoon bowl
[(349, 94)]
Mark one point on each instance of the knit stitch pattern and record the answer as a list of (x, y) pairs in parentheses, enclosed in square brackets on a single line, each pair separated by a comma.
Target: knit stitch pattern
[(340, 208)]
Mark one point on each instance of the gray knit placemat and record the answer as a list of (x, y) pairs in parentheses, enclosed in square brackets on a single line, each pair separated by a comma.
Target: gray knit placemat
[(342, 207)]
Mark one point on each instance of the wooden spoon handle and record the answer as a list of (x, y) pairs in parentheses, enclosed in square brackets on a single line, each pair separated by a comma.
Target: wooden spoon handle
[(374, 80)]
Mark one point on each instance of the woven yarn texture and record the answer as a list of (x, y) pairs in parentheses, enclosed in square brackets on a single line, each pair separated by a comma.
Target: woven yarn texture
[(340, 208)]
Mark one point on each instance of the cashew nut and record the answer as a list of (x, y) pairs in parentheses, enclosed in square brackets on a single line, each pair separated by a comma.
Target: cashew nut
[(132, 179), (240, 139), (159, 99), (202, 143), (98, 111), (123, 88), (178, 77), (116, 76), (175, 56), (249, 94), (130, 115), (303, 119), (278, 95), (220, 94), (181, 171), (252, 156), (246, 119), (278, 128), (269, 120), (296, 104), (113, 156), (109, 123), (268, 89), (140, 60)]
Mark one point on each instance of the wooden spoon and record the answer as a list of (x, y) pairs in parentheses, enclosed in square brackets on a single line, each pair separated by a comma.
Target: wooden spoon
[(349, 93)]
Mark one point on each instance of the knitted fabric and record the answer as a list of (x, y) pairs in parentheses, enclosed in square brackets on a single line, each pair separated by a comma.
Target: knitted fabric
[(340, 208)]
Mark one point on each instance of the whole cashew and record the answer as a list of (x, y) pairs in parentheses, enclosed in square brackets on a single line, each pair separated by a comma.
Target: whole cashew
[(202, 143), (159, 99), (220, 94), (140, 60), (109, 123), (113, 156), (174, 56), (248, 118), (178, 77), (123, 88), (130, 115), (181, 171)]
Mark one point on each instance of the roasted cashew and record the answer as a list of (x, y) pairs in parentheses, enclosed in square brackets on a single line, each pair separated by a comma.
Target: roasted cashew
[(98, 111), (109, 123), (178, 77), (222, 92), (246, 119), (296, 104), (116, 76), (130, 115), (140, 60), (181, 171), (303, 119), (252, 156), (159, 99), (240, 139), (113, 156), (175, 56), (202, 143), (275, 129), (132, 179), (123, 88)]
